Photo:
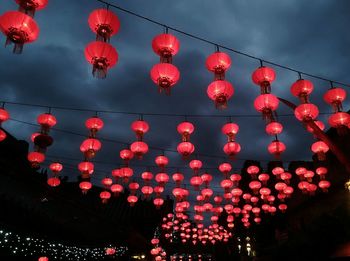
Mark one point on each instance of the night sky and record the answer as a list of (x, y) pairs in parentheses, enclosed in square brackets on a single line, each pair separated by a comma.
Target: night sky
[(311, 36)]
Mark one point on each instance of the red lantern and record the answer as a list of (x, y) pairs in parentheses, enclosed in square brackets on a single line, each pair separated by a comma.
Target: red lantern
[(117, 189), (288, 191), (253, 170), (339, 120), (230, 130), (85, 186), (306, 112), (126, 173), (320, 148), (133, 186), (36, 158), (105, 196), (195, 165), (43, 258), (280, 186), (139, 148), (324, 185), (147, 191), (235, 178), (263, 177), (302, 89), (264, 76), (300, 172), (166, 46), (110, 251), (225, 168), (102, 56), (178, 193), (56, 167), (226, 184), (161, 161), (207, 178), (107, 182), (147, 176), (19, 29), (185, 129), (89, 147), (231, 149), (140, 127), (266, 104), (255, 186), (218, 63), (132, 200), (158, 190), (335, 97), (165, 75), (274, 128), (282, 207), (265, 192), (3, 135), (286, 176), (104, 23), (220, 92), (276, 148), (218, 200), (53, 182), (86, 168), (196, 181), (162, 179), (322, 171), (4, 115), (47, 121), (178, 178), (185, 149), (206, 193), (158, 202), (94, 124), (126, 155), (30, 6)]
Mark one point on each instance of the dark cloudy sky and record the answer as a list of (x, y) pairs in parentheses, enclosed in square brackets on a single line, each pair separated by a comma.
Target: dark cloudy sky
[(310, 36)]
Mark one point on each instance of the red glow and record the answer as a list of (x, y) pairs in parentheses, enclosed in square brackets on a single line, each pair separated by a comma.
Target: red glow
[(140, 127), (165, 45), (220, 92), (56, 167), (165, 75), (276, 148), (302, 89), (4, 115), (94, 124), (53, 182), (306, 112), (86, 167), (46, 120), (139, 148), (274, 128), (132, 200), (104, 23), (218, 63), (185, 149)]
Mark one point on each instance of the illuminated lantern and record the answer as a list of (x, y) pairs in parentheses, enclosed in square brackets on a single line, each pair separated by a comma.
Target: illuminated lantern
[(3, 135), (283, 207), (247, 197), (185, 149), (126, 155), (319, 124), (94, 124), (178, 178), (218, 63), (53, 182), (236, 211), (272, 210), (207, 178), (324, 185), (117, 189), (166, 46), (320, 148), (322, 171), (263, 177), (147, 191), (133, 186), (140, 127), (301, 172), (280, 186), (340, 121), (225, 168), (126, 173), (110, 251), (286, 177), (335, 97), (162, 179), (139, 148), (56, 167), (207, 193), (266, 104), (218, 200), (255, 186), (226, 184), (288, 191), (165, 75), (196, 165), (274, 128), (196, 181), (30, 6), (19, 29), (158, 190), (185, 129), (265, 192), (276, 148), (102, 56), (158, 202), (306, 112), (254, 200), (89, 147), (46, 121), (235, 178), (147, 176), (302, 89), (4, 115), (43, 258), (132, 200), (35, 158), (104, 23), (105, 196), (231, 149), (303, 186), (155, 241), (107, 182), (311, 188), (86, 168), (264, 76), (253, 171), (230, 130), (236, 192), (220, 92), (162, 162)]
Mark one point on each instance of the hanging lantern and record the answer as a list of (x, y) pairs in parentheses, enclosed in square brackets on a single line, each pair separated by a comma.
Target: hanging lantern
[(126, 155), (29, 7), (178, 178), (302, 89), (301, 172), (322, 171), (264, 76), (231, 149), (139, 148), (196, 182), (46, 121), (226, 184), (236, 179), (206, 193), (158, 202), (54, 182), (104, 23), (335, 97), (255, 186), (230, 129), (220, 92), (105, 196), (133, 186), (147, 176), (19, 29), (185, 149), (266, 104), (165, 75), (43, 258), (126, 173), (286, 177), (3, 135), (86, 168), (162, 179), (274, 128), (56, 167), (185, 129), (94, 124), (282, 207), (166, 46), (225, 168), (306, 112), (207, 178), (324, 185), (35, 159), (90, 147), (107, 182), (309, 175), (218, 63), (140, 127), (102, 56), (117, 189), (4, 116), (85, 186), (196, 165), (253, 171), (147, 191), (158, 190), (276, 148), (263, 177), (340, 121), (161, 161), (320, 148), (288, 191)]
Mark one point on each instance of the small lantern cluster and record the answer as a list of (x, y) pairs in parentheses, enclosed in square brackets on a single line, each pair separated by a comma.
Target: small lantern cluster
[(19, 27), (100, 53), (164, 74), (185, 148), (139, 148), (54, 180), (89, 147), (220, 90), (306, 177), (42, 140), (4, 116), (231, 148), (340, 120)]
